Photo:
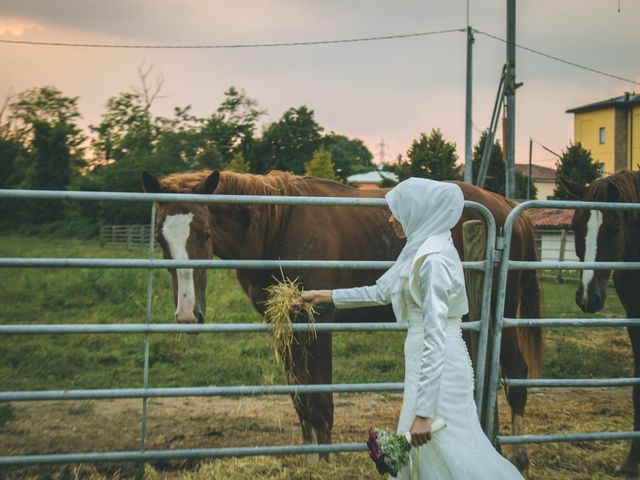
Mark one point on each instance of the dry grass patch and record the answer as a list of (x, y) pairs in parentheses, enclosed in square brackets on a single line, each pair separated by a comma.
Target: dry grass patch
[(345, 467)]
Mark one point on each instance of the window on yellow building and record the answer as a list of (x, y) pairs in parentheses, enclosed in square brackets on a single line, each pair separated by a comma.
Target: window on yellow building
[(601, 136)]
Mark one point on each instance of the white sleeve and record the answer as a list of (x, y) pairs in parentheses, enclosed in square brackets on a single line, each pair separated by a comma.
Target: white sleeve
[(435, 285), (370, 296)]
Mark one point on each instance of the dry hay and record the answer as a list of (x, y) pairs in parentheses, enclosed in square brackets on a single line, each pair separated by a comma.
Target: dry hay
[(345, 467), (220, 422), (283, 302), (574, 410)]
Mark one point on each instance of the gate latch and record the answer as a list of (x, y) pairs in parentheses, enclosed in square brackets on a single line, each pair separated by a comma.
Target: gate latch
[(497, 253)]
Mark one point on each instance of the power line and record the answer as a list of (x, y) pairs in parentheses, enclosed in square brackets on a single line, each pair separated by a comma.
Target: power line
[(558, 59), (309, 43), (546, 148), (234, 46)]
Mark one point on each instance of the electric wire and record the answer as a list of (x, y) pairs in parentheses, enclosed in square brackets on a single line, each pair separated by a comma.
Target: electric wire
[(234, 46), (311, 43), (546, 148), (558, 59)]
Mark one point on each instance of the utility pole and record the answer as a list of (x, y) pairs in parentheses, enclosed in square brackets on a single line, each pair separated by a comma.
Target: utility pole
[(383, 152), (468, 140), (510, 100)]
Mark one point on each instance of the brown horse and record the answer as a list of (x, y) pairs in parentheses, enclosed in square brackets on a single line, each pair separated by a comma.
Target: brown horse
[(611, 236), (197, 231)]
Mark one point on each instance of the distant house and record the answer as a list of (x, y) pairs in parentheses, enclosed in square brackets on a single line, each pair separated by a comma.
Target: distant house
[(543, 178), (552, 226), (610, 129), (371, 180)]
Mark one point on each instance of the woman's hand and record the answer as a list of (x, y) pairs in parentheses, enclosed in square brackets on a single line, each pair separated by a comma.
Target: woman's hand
[(316, 297), (420, 431)]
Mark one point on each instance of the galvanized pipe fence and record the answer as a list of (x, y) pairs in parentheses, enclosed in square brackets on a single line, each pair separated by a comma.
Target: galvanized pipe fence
[(500, 322), (480, 327)]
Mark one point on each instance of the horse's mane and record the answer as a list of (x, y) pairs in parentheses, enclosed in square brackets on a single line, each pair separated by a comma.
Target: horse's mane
[(265, 219), (625, 182), (273, 183)]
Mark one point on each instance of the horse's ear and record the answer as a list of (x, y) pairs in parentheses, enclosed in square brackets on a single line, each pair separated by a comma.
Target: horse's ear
[(150, 184), (210, 184), (575, 189)]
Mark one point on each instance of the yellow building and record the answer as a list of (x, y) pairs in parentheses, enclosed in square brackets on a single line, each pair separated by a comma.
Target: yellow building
[(611, 131)]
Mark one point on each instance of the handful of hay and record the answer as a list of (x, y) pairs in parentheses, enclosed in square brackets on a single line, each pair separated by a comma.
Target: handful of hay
[(283, 300)]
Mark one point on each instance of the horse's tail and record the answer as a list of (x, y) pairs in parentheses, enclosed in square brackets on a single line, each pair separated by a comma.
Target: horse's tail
[(530, 339)]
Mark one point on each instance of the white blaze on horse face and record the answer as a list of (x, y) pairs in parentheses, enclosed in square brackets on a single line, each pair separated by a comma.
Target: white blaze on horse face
[(176, 231), (590, 249)]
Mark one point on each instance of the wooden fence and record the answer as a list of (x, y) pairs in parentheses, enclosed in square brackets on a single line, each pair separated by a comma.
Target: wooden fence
[(127, 236)]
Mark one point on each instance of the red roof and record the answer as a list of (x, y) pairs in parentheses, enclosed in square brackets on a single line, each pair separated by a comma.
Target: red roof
[(555, 218)]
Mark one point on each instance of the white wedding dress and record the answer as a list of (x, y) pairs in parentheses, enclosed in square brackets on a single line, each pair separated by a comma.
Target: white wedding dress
[(438, 379)]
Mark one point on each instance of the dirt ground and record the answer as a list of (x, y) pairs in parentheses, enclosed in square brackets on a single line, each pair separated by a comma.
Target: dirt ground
[(87, 426)]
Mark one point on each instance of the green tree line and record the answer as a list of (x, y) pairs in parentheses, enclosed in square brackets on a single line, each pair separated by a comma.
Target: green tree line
[(42, 147)]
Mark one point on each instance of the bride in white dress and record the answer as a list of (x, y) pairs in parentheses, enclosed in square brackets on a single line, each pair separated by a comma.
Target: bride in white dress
[(426, 289)]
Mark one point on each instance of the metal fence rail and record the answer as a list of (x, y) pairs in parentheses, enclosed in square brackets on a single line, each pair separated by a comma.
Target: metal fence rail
[(207, 327), (147, 328), (501, 322)]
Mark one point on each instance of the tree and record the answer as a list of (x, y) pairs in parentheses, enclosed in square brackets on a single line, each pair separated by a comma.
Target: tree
[(288, 143), (320, 165), (241, 114), (127, 127), (10, 148), (496, 171), (238, 164), (40, 148), (576, 164), (431, 157), (349, 156), (232, 127), (45, 105), (495, 178)]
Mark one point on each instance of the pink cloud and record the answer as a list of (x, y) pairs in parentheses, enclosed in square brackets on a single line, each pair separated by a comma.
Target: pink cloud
[(16, 27)]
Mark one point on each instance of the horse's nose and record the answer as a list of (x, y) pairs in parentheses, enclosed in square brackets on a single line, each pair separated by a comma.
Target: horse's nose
[(596, 302), (185, 318), (199, 315)]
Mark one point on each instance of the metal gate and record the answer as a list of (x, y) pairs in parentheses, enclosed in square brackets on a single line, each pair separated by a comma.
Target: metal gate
[(146, 391), (501, 322)]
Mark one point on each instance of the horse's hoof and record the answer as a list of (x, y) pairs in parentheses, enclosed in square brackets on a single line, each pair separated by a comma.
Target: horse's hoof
[(327, 457), (628, 469), (521, 460)]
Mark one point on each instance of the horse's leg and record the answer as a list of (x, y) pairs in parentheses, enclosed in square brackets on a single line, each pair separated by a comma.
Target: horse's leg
[(320, 367), (297, 374), (631, 303), (311, 363), (514, 366), (630, 465)]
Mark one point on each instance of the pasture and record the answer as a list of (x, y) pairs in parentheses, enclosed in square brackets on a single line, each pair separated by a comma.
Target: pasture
[(107, 361)]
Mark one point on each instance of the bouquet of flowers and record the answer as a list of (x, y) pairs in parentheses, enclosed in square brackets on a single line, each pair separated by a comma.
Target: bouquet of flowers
[(390, 451)]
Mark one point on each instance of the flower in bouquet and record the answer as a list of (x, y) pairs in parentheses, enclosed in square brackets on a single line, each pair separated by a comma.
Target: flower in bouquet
[(390, 451)]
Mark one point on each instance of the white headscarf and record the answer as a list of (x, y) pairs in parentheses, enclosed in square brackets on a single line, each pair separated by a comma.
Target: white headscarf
[(424, 208)]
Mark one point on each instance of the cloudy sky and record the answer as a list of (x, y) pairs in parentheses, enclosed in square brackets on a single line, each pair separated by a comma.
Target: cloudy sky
[(389, 90)]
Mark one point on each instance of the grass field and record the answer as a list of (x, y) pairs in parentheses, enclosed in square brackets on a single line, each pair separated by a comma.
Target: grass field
[(35, 296)]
